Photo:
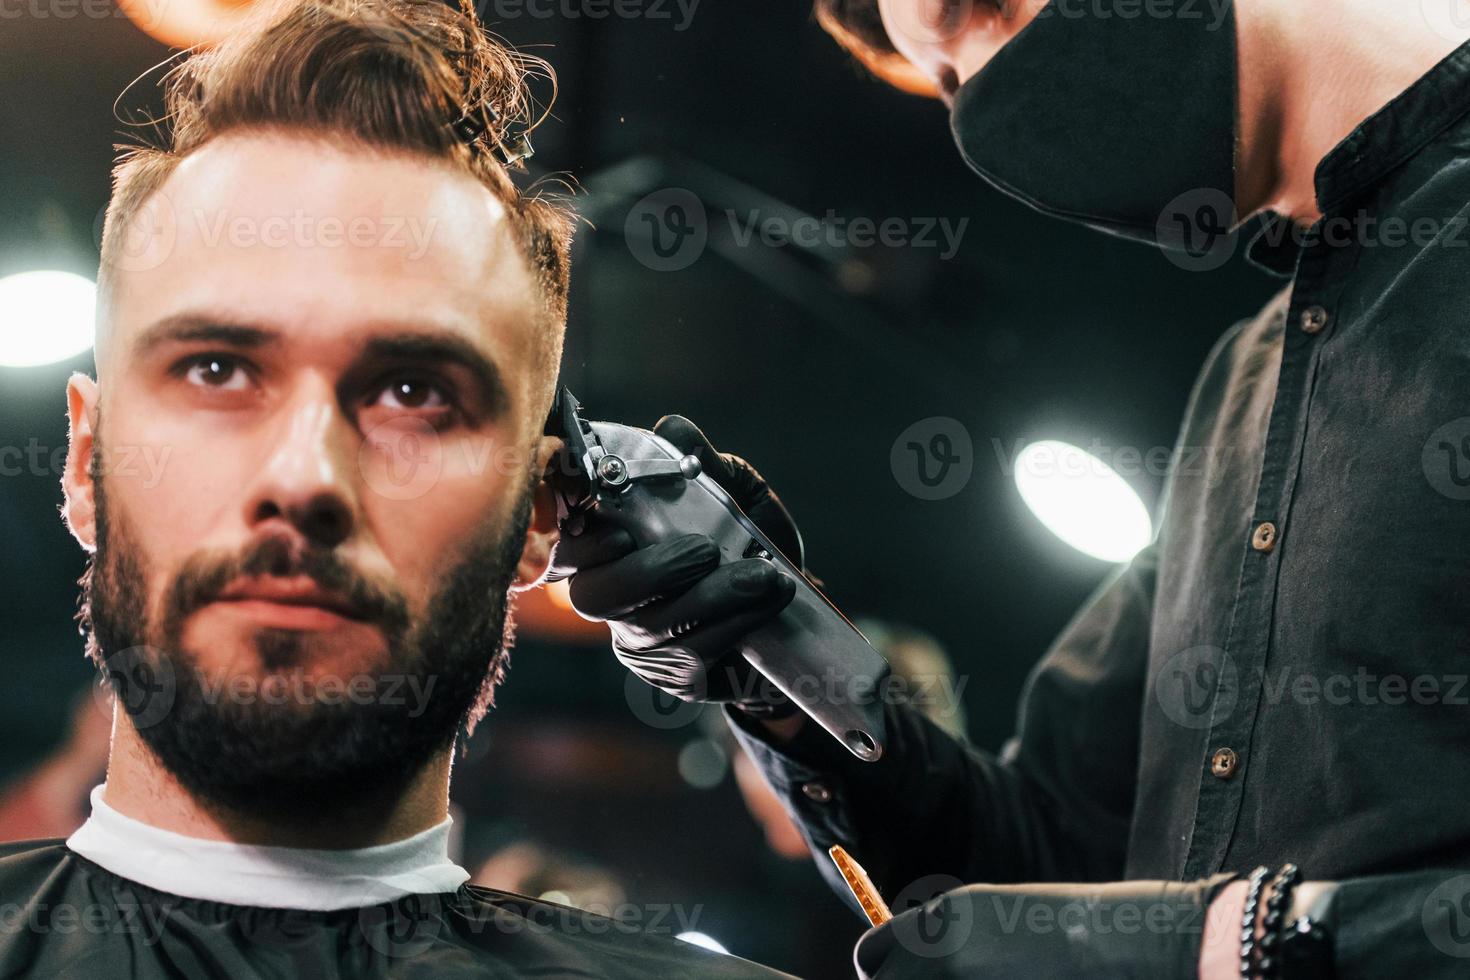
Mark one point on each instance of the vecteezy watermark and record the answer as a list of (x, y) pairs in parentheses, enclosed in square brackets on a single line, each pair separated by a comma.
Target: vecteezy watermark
[(1200, 686), (832, 229), (1450, 19), (404, 458), (143, 921), (218, 227), (64, 9), (1206, 462), (1213, 12), (678, 13), (142, 680), (1446, 459), (1200, 228), (933, 458), (301, 688), (927, 922), (152, 232), (1446, 916), (937, 21), (145, 463), (667, 230), (657, 708), (1096, 915), (1196, 686), (405, 927), (941, 694), (930, 21), (1199, 225)]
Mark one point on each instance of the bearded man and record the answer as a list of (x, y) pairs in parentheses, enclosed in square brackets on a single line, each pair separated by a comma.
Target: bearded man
[(328, 304)]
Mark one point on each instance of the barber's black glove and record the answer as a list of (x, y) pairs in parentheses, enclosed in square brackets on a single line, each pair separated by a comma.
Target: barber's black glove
[(1142, 929), (678, 616)]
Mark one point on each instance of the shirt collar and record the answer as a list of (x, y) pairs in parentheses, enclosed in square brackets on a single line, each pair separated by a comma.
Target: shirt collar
[(266, 877), (1393, 134), (1380, 144)]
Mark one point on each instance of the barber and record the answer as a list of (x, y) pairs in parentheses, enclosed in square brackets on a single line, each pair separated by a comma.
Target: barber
[(1175, 803)]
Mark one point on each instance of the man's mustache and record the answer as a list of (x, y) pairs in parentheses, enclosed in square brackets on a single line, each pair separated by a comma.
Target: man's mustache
[(204, 576)]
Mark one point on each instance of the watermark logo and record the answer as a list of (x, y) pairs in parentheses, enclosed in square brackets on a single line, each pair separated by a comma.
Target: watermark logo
[(1446, 459), (401, 459), (933, 458), (1197, 685), (1216, 12), (1446, 917), (1199, 224), (141, 681), (929, 921), (667, 230), (657, 708), (404, 927), (930, 21), (1450, 19), (678, 13), (832, 230), (146, 238)]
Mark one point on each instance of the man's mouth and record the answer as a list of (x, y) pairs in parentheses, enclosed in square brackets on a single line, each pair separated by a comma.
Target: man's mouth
[(289, 603)]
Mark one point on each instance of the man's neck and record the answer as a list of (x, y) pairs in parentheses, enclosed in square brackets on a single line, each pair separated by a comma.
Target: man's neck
[(140, 788), (1312, 70)]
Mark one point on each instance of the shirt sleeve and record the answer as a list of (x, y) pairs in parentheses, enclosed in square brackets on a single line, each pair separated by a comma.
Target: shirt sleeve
[(1053, 805), (1409, 924)]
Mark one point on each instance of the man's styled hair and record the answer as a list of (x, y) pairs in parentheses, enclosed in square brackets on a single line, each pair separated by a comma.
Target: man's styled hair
[(387, 74)]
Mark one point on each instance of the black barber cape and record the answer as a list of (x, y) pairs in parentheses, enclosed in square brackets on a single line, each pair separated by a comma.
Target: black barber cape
[(63, 916)]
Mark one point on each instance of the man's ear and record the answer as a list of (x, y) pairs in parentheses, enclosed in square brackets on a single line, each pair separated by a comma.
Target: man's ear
[(80, 507), (542, 533)]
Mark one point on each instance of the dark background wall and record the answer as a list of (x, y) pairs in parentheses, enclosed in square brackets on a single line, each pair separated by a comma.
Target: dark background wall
[(807, 361)]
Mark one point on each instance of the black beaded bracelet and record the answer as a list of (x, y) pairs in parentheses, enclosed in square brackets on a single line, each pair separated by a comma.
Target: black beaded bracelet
[(1277, 905), (1248, 923)]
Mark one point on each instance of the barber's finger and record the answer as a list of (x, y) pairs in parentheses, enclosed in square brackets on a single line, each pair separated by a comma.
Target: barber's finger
[(690, 440), (694, 666), (614, 590), (597, 545), (740, 587), (741, 481), (712, 642)]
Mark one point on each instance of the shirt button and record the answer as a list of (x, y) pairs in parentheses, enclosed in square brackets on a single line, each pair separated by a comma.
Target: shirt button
[(1314, 318), (1264, 538), (817, 792), (1223, 763)]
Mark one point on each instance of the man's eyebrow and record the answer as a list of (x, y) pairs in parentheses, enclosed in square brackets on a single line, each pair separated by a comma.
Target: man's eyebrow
[(194, 328), (444, 348)]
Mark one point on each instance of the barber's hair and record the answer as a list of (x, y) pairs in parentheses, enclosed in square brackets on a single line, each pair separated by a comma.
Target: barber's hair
[(385, 74), (856, 25)]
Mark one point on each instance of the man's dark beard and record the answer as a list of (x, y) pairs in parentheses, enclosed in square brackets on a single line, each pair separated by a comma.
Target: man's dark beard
[(288, 758)]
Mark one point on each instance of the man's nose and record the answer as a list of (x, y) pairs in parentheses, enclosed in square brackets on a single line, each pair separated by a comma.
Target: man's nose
[(307, 478)]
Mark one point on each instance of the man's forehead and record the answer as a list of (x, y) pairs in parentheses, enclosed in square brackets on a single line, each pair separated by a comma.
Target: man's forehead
[(288, 229)]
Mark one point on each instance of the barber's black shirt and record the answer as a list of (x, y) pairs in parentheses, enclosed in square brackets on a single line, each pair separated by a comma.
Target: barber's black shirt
[(1282, 676)]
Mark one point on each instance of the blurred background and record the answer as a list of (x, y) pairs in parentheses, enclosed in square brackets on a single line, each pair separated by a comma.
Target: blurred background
[(787, 252)]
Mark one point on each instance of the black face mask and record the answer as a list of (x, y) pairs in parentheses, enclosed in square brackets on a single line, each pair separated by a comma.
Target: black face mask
[(1125, 124)]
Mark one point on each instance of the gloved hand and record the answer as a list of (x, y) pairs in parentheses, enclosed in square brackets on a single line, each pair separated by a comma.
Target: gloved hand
[(677, 616), (1142, 929)]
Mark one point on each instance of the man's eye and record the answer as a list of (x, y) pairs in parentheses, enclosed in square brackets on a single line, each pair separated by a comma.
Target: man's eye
[(216, 371), (409, 394)]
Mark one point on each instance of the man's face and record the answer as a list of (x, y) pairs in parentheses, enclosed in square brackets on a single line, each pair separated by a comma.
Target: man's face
[(333, 360), (949, 41)]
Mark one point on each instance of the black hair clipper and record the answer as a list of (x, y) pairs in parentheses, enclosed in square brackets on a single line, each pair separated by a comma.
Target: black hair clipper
[(642, 483)]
